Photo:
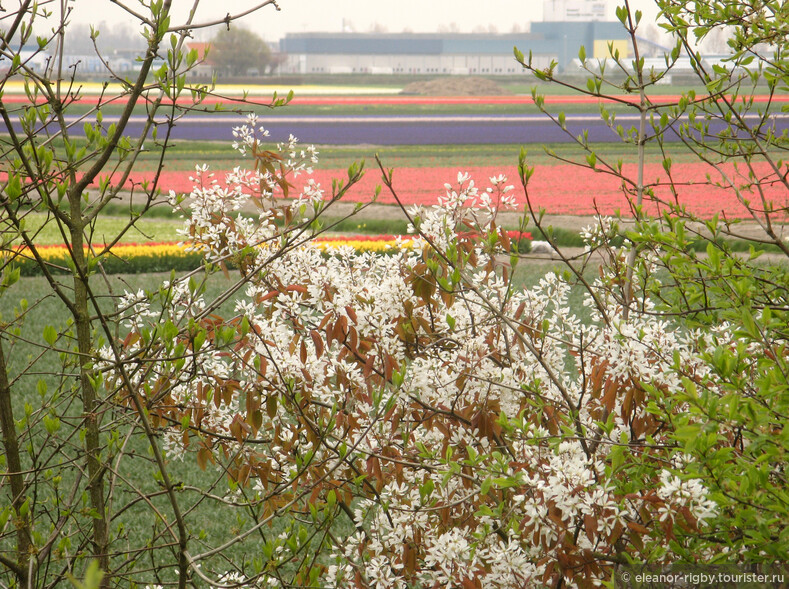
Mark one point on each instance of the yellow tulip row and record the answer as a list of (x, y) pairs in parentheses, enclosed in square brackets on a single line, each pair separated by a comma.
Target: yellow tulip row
[(160, 257)]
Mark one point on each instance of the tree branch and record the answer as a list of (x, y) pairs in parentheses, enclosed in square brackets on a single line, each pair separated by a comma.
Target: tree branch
[(226, 20)]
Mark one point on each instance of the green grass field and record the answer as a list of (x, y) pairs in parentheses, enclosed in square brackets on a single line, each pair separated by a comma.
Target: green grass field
[(183, 155)]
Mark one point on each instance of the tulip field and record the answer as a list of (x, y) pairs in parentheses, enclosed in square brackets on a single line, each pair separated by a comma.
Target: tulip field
[(145, 257), (560, 189)]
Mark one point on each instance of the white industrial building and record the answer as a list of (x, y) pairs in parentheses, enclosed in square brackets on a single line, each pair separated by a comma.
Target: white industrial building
[(446, 53)]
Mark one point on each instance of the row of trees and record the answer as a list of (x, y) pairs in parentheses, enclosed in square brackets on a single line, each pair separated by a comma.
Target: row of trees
[(411, 420)]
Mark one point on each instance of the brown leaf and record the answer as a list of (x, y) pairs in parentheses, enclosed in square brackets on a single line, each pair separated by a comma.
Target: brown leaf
[(609, 398), (242, 477), (353, 340), (389, 367), (637, 527), (590, 525), (317, 341), (368, 367), (256, 420), (351, 313), (504, 239), (203, 455), (236, 431), (409, 559), (268, 296)]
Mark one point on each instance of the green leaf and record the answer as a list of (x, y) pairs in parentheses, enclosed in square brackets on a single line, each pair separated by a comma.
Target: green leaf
[(617, 456), (505, 482), (426, 489), (93, 577), (50, 335), (518, 55), (331, 498), (590, 85), (749, 325), (13, 187), (52, 424), (688, 432)]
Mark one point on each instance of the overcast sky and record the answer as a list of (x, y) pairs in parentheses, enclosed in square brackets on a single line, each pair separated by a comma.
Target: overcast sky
[(362, 15)]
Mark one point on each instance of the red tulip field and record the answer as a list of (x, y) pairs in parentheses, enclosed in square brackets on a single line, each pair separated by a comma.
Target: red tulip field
[(560, 189)]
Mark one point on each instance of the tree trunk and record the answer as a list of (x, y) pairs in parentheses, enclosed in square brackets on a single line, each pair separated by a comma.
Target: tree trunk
[(90, 403), (17, 479)]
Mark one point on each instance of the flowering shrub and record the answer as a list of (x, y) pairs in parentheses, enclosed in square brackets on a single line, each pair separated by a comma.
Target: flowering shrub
[(465, 432), (410, 420)]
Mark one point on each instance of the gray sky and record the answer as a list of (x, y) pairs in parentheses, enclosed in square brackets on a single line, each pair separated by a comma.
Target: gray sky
[(328, 15)]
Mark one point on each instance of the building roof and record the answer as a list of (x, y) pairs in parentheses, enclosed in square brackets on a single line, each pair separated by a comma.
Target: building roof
[(202, 47)]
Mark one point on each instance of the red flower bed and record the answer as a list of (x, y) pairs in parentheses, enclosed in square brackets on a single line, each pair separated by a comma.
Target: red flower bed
[(561, 189), (362, 100)]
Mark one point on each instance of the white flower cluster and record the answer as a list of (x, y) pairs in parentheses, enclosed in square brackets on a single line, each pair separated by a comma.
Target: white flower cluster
[(463, 205), (248, 134), (216, 224), (452, 399), (690, 493)]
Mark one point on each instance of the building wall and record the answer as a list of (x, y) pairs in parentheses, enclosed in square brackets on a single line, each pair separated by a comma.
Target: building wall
[(323, 53), (502, 65), (603, 49), (567, 38)]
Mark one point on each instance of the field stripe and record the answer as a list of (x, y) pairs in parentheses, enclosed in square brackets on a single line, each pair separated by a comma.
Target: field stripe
[(263, 98), (376, 119), (561, 189)]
